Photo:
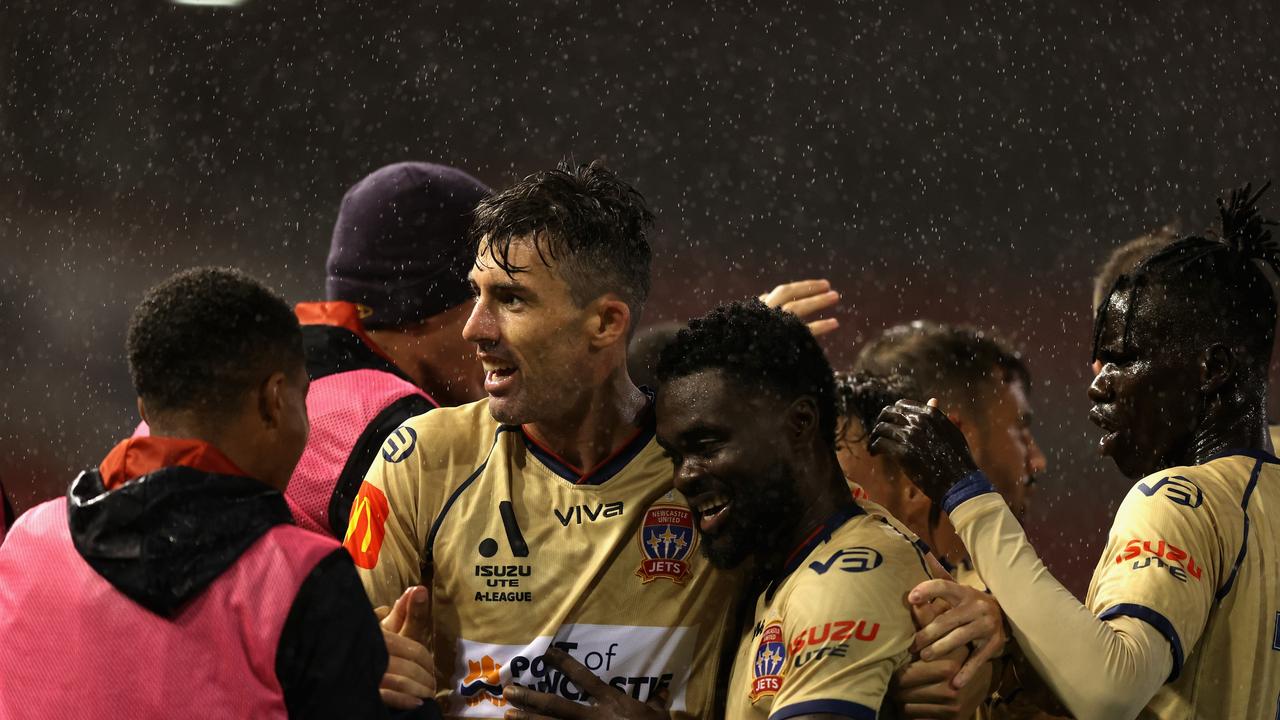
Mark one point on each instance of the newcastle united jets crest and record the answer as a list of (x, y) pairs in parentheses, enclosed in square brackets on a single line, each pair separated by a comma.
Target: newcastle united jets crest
[(667, 538)]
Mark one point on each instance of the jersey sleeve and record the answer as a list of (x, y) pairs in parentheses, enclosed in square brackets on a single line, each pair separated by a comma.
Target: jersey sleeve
[(1163, 562), (848, 628), (390, 517)]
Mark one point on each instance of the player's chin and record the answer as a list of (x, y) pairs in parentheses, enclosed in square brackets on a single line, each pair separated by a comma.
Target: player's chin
[(510, 409), (724, 549)]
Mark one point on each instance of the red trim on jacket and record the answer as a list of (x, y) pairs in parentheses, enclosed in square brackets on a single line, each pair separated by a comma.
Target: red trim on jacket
[(138, 456), (341, 314)]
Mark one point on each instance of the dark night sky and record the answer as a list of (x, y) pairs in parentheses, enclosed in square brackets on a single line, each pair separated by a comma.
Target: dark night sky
[(964, 164)]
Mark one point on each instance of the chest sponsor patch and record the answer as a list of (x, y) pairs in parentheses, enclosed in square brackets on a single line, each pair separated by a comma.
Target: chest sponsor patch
[(667, 538), (766, 667), (637, 660), (367, 527)]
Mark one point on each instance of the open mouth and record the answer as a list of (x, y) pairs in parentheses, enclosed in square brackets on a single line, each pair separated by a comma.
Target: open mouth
[(711, 512), (499, 378), (1110, 433)]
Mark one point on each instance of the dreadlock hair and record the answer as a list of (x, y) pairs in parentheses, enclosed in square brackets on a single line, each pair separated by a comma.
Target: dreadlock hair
[(592, 224), (952, 362), (862, 395), (1220, 277), (759, 347)]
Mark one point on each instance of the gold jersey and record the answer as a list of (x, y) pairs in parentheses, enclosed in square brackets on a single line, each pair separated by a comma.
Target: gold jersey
[(1195, 552), (523, 552), (827, 637)]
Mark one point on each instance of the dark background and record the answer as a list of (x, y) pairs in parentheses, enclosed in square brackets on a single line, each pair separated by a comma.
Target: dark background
[(963, 164)]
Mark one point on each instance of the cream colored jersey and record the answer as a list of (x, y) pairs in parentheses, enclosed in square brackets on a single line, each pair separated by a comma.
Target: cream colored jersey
[(827, 637), (523, 552), (1194, 552)]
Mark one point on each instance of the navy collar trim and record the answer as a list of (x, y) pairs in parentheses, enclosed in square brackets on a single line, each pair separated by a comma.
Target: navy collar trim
[(820, 534), (611, 466)]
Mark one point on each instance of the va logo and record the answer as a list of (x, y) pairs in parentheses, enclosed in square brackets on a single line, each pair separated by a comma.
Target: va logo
[(399, 444), (1178, 489), (850, 560)]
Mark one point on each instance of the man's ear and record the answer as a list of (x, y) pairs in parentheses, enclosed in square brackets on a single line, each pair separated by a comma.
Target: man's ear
[(271, 399), (142, 411), (610, 321), (1217, 366), (802, 419), (915, 503)]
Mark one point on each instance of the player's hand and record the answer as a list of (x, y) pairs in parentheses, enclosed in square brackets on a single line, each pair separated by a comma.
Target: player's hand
[(923, 688), (610, 702), (804, 298), (406, 628), (974, 620), (926, 445)]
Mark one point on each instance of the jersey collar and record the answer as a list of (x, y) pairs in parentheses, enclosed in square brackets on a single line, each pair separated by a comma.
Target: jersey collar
[(142, 455), (1255, 453), (607, 468), (819, 535)]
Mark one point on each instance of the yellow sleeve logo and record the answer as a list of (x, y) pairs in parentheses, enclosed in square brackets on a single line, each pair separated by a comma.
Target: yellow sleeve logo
[(367, 526)]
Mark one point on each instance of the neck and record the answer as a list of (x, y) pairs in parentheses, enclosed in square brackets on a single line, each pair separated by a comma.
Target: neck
[(823, 491), (1229, 428), (447, 379), (602, 420), (185, 425)]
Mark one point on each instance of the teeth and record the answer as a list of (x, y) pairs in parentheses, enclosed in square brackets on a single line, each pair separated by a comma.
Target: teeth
[(713, 502)]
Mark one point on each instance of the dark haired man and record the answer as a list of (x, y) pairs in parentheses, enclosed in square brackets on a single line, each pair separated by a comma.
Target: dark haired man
[(748, 416), (1181, 614), (544, 516), (171, 582), (387, 343)]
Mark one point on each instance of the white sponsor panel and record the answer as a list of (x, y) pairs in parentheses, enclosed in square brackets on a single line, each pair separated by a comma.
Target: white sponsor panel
[(638, 660)]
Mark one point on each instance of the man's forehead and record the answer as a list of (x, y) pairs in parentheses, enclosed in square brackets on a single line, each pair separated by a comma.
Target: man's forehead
[(710, 395), (521, 255)]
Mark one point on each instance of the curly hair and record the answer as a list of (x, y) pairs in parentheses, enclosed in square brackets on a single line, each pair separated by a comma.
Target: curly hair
[(204, 337), (862, 395), (587, 220), (759, 347)]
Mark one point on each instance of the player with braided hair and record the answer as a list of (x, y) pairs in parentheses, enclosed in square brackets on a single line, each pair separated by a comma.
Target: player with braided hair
[(1181, 616)]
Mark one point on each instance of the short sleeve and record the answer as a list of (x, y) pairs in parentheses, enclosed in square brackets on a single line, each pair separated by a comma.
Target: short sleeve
[(1163, 562), (385, 531), (847, 628)]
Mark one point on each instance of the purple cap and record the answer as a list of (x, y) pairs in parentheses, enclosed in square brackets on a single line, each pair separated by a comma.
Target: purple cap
[(400, 244)]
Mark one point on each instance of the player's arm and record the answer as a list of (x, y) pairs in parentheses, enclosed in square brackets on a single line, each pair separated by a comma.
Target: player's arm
[(385, 532), (1102, 666)]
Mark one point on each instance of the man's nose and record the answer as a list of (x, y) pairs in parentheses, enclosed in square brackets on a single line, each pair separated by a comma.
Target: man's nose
[(481, 326)]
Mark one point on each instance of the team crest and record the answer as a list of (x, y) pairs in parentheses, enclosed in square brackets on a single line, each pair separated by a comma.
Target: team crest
[(666, 539), (771, 655)]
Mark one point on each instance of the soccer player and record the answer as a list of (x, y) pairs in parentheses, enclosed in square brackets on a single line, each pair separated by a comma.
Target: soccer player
[(544, 515), (1180, 619), (747, 413), (169, 581), (985, 386)]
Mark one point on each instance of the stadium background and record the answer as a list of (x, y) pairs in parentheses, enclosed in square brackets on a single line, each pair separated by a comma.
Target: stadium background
[(963, 164)]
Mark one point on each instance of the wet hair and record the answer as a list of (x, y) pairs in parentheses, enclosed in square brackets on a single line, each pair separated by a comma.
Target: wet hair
[(203, 338), (1126, 257), (862, 395), (758, 347), (592, 224), (948, 361), (1215, 288)]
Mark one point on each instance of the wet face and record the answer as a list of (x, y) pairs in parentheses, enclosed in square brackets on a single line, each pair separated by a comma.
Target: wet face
[(532, 339), (729, 463), (1005, 448), (286, 433), (1146, 393)]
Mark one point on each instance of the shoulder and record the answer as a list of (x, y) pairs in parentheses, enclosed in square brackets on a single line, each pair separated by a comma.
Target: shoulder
[(1194, 492), (444, 435), (868, 561)]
